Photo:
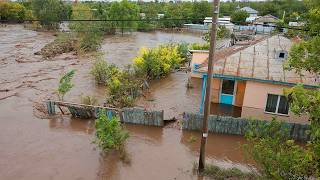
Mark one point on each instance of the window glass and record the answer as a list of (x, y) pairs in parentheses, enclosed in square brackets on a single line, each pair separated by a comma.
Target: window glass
[(283, 105), (272, 102), (281, 55), (227, 87)]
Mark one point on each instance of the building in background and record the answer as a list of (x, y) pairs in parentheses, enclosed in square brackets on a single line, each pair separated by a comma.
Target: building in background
[(248, 81)]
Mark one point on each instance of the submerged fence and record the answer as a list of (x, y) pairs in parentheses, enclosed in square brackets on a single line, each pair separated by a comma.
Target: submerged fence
[(238, 126), (141, 116), (127, 115)]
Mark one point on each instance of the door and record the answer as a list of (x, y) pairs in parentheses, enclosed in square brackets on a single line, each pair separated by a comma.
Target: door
[(227, 92)]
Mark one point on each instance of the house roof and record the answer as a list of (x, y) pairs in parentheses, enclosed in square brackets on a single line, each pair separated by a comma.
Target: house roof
[(259, 61), (249, 10), (266, 19)]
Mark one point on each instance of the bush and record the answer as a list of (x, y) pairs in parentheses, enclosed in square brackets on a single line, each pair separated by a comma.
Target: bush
[(197, 46), (89, 100), (102, 71), (157, 62), (12, 11), (123, 88), (109, 133), (277, 156), (222, 33)]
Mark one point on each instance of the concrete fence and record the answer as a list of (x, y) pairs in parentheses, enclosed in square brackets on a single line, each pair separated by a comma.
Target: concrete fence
[(238, 126)]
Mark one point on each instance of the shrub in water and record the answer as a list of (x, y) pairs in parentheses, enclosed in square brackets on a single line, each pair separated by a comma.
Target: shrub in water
[(109, 133), (102, 71)]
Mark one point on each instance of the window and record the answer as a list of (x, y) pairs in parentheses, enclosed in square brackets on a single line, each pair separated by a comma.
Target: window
[(227, 87), (281, 55), (277, 104)]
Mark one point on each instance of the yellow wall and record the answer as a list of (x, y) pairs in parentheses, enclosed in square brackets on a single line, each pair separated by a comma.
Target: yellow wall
[(255, 99)]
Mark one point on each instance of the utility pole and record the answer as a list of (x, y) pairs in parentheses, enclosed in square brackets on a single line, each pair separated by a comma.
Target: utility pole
[(216, 4)]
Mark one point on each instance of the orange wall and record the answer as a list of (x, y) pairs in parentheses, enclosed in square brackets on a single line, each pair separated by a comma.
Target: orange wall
[(255, 99), (197, 58), (241, 88)]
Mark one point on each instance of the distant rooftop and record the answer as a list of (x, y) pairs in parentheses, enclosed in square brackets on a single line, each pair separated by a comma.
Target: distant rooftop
[(263, 60), (249, 10)]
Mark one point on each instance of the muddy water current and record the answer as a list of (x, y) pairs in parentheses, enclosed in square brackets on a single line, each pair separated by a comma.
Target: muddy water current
[(35, 147)]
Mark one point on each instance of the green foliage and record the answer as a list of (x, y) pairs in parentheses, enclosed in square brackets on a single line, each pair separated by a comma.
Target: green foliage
[(276, 155), (49, 12), (306, 56), (89, 34), (124, 10), (157, 62), (110, 135), (102, 71), (65, 84), (89, 100), (198, 46), (12, 11), (123, 88), (239, 17)]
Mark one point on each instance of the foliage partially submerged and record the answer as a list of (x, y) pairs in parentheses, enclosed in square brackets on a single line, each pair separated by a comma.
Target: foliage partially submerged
[(218, 173), (102, 71), (124, 87), (276, 155), (157, 62), (110, 135), (65, 84)]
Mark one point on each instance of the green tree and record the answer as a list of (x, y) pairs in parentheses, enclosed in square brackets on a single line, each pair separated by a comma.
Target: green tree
[(280, 158), (201, 10), (239, 17), (89, 33), (12, 11), (276, 155), (65, 84), (49, 12), (126, 12)]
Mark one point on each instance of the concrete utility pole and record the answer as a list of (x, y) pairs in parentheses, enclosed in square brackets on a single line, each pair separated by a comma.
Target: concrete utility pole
[(216, 4)]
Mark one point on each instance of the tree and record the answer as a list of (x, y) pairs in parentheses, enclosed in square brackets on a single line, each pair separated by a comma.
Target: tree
[(49, 12), (12, 11), (88, 33), (222, 33), (282, 159), (127, 13), (276, 155), (239, 17), (65, 84)]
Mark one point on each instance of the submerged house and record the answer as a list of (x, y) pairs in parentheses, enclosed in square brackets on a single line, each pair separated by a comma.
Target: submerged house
[(248, 81)]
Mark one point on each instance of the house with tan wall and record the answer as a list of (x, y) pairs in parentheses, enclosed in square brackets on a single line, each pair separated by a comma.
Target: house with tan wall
[(251, 79)]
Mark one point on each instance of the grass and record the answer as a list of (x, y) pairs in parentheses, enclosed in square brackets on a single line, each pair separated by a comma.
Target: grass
[(218, 173)]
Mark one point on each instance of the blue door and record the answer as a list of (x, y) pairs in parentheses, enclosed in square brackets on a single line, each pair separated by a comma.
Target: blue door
[(227, 92)]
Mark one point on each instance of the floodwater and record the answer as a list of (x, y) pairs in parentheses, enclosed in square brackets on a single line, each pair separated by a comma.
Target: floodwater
[(35, 147)]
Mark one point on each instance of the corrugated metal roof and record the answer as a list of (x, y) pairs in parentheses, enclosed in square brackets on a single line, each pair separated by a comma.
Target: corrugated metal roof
[(259, 61), (249, 10)]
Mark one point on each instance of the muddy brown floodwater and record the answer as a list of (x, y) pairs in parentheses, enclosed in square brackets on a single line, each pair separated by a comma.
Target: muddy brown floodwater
[(62, 148)]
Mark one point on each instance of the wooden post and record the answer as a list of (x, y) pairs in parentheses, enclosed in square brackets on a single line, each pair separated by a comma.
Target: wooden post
[(211, 60)]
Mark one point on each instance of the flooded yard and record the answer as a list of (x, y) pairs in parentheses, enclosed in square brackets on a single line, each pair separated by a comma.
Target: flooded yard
[(32, 147)]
